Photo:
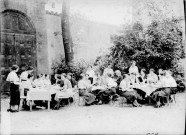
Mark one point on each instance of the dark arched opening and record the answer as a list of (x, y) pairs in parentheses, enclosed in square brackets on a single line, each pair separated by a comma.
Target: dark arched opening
[(18, 42)]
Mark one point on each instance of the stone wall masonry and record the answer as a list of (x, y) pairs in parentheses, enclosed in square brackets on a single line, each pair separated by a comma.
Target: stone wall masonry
[(55, 42)]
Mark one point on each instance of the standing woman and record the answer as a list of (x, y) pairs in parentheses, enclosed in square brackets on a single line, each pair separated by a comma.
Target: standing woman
[(24, 78), (91, 74), (24, 75), (14, 89), (133, 69)]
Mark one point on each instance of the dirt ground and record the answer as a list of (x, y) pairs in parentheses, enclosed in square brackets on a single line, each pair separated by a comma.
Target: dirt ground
[(97, 119)]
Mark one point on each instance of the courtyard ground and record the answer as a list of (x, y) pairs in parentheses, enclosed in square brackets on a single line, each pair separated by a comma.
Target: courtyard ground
[(97, 119)]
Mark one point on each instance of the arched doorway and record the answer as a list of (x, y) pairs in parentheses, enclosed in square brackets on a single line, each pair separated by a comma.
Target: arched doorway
[(18, 41)]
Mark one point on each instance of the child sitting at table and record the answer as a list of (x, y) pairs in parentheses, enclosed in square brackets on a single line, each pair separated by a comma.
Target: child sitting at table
[(46, 81), (84, 90), (67, 83), (29, 84), (39, 81), (168, 86), (72, 79), (142, 77), (128, 92), (152, 78)]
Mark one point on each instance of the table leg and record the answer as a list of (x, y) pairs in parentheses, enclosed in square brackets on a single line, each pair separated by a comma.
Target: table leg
[(68, 101), (48, 104), (73, 99), (21, 104), (31, 101)]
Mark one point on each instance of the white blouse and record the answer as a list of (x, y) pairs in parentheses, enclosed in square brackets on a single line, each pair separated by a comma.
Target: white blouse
[(125, 86), (152, 78), (111, 82), (91, 73), (108, 70), (47, 82), (133, 70), (28, 84), (12, 77), (82, 84), (39, 83), (170, 82), (24, 75)]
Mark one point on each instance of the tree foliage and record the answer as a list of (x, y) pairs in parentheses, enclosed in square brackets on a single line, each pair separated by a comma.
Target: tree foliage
[(75, 67), (158, 45)]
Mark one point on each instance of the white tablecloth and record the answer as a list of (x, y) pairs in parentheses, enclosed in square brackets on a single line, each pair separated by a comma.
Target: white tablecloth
[(65, 93), (147, 88), (98, 88), (39, 94), (45, 93)]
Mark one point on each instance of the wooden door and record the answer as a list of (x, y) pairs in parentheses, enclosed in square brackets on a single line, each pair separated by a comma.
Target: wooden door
[(17, 44)]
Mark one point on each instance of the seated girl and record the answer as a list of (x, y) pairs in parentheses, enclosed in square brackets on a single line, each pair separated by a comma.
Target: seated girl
[(168, 87), (118, 78), (142, 77), (96, 88), (84, 87), (29, 84), (110, 85), (98, 78), (46, 81), (128, 92), (39, 81), (71, 78), (152, 78)]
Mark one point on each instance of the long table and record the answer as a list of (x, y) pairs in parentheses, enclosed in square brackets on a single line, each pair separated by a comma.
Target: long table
[(39, 94), (45, 94), (147, 88)]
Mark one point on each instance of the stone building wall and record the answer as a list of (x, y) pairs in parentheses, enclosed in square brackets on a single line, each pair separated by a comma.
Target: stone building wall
[(54, 37)]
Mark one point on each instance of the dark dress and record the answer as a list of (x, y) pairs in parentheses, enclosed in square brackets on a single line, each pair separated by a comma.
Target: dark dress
[(118, 81), (14, 94), (129, 95), (73, 82), (89, 97), (163, 92)]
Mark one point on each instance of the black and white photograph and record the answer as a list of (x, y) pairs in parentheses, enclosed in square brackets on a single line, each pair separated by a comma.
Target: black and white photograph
[(93, 67)]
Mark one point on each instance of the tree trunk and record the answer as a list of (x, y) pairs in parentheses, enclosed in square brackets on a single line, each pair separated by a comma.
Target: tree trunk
[(66, 35), (184, 3)]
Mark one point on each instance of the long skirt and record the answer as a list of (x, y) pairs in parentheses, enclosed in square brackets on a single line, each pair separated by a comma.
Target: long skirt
[(106, 94), (129, 95), (89, 97), (164, 92), (14, 94)]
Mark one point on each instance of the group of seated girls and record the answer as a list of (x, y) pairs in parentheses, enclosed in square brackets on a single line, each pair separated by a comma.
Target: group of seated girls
[(106, 88), (43, 81), (111, 85), (156, 84), (101, 89)]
